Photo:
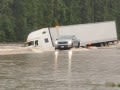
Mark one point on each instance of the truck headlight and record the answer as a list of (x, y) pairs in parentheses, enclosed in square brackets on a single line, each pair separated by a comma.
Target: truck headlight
[(69, 42), (56, 42)]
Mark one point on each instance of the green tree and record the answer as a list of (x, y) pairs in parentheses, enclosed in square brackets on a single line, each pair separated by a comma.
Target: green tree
[(20, 17), (7, 21), (115, 11)]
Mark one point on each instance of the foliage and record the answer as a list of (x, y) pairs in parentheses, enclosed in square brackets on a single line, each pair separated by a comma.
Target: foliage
[(20, 17)]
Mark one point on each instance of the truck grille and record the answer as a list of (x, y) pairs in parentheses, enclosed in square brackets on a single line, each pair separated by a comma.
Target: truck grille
[(62, 42)]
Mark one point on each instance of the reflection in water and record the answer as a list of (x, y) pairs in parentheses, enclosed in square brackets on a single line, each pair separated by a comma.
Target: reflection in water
[(56, 63), (56, 59), (56, 54), (69, 66), (69, 61)]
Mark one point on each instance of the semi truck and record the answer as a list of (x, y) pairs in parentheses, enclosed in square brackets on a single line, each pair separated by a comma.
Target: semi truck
[(99, 33)]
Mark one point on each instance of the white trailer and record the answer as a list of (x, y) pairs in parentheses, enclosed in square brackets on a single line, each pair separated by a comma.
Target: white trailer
[(92, 33)]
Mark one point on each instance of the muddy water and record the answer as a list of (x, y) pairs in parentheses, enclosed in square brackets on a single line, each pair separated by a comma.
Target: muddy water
[(97, 69)]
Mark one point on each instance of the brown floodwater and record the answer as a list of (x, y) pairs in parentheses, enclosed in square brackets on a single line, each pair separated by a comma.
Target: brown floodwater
[(97, 69)]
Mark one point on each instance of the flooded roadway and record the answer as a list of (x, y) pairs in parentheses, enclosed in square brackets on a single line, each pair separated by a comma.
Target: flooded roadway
[(97, 69)]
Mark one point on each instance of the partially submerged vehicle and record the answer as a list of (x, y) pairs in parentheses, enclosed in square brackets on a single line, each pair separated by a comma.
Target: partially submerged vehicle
[(100, 33), (67, 41)]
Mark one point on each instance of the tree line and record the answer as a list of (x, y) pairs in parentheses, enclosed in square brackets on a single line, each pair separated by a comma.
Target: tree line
[(19, 17)]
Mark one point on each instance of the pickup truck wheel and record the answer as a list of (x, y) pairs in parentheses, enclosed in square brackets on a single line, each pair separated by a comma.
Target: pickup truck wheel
[(56, 48)]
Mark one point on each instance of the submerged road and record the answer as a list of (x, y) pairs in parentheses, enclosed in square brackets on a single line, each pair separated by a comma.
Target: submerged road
[(96, 69)]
